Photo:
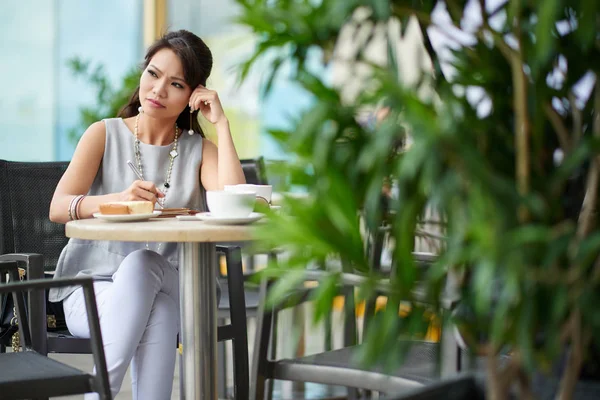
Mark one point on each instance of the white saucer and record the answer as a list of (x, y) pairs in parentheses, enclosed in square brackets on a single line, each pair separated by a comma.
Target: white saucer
[(187, 218), (209, 219), (126, 217)]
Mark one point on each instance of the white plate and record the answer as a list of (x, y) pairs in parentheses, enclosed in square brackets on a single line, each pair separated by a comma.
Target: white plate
[(126, 217), (209, 219)]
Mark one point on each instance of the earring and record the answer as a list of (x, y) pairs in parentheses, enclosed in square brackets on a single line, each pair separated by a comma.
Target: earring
[(140, 109), (190, 131)]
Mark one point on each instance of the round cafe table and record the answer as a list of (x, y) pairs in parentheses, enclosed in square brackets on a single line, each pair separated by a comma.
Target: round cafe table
[(197, 275)]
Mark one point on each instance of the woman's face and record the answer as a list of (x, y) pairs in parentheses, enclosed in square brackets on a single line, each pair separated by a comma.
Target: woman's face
[(163, 91)]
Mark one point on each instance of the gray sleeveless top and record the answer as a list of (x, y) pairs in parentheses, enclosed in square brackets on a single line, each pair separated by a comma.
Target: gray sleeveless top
[(101, 259)]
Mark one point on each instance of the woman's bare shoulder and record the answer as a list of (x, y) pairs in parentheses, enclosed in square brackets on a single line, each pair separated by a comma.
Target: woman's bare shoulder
[(97, 128), (94, 136)]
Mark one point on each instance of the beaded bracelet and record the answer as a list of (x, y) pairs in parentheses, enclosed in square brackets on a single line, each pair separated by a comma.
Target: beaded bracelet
[(77, 205), (70, 209), (72, 206)]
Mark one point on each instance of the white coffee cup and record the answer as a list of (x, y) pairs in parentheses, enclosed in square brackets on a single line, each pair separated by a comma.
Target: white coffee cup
[(264, 191), (223, 204)]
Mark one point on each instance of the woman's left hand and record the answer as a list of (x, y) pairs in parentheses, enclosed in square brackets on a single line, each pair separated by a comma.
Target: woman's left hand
[(207, 101)]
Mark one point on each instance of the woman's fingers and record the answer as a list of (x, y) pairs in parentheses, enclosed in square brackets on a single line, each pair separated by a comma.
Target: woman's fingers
[(200, 104), (145, 190), (151, 187), (201, 99), (141, 194), (201, 96), (207, 101)]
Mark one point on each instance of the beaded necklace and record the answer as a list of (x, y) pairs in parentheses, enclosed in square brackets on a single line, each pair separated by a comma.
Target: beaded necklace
[(172, 155), (138, 158)]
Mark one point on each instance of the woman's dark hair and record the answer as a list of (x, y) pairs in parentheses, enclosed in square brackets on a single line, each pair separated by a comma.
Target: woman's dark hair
[(197, 62)]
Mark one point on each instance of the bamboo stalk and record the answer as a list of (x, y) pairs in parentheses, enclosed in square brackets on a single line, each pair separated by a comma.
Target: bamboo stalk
[(494, 391), (559, 127), (591, 193), (574, 361), (577, 119), (521, 129), (524, 385), (521, 126), (584, 224)]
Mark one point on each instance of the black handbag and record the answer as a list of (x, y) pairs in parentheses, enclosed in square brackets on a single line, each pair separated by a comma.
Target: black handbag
[(55, 317), (8, 326)]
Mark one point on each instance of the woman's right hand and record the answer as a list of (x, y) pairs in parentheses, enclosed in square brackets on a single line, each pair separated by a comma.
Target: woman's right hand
[(140, 191)]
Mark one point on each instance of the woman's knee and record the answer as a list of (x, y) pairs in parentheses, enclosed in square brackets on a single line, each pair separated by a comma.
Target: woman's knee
[(142, 263)]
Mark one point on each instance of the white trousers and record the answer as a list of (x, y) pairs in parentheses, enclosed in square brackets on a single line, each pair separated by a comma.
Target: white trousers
[(139, 320)]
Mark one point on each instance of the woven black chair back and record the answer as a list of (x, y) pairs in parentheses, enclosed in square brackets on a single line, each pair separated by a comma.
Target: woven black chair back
[(26, 189)]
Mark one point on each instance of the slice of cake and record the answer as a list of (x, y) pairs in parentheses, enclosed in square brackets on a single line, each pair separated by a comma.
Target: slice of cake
[(126, 207)]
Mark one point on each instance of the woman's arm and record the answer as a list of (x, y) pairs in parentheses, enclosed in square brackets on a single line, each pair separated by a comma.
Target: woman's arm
[(80, 175), (220, 166)]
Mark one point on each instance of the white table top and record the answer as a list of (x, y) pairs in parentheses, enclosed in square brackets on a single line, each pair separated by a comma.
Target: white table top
[(158, 230)]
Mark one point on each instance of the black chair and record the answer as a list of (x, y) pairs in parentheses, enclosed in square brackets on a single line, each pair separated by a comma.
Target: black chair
[(27, 236), (29, 374), (338, 367), (233, 305), (335, 367), (255, 171)]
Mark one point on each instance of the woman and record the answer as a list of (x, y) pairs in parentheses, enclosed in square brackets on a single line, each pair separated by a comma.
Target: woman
[(137, 289)]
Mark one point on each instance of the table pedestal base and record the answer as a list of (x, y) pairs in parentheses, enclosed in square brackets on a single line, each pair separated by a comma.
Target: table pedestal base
[(198, 308)]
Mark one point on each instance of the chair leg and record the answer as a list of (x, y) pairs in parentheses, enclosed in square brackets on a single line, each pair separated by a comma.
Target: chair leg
[(272, 353), (37, 307), (260, 360), (237, 301), (222, 365), (350, 333), (370, 307), (273, 333)]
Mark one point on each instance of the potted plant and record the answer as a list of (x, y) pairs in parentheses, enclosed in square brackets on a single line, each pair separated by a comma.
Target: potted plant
[(504, 143)]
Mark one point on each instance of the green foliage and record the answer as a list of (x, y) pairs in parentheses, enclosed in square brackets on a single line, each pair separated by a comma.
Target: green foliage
[(109, 98), (516, 235)]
